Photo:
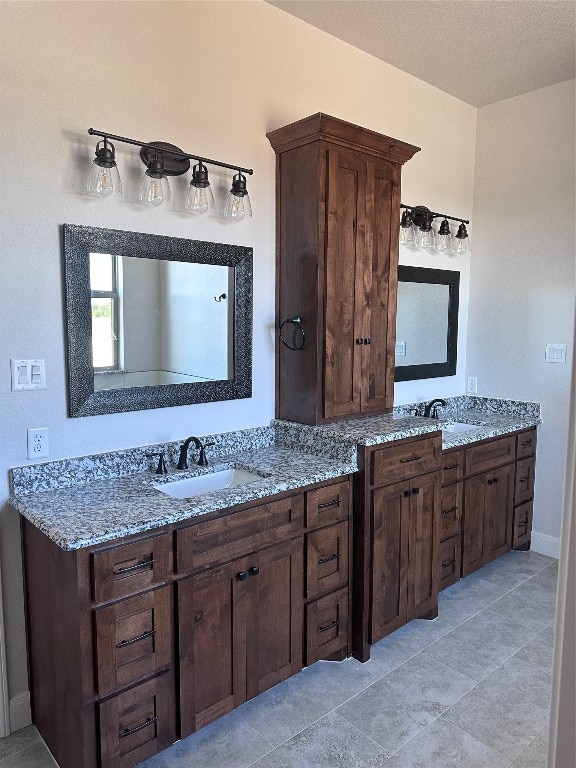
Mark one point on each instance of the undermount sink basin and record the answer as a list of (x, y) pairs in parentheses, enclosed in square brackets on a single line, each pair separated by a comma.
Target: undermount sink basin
[(458, 426), (213, 481)]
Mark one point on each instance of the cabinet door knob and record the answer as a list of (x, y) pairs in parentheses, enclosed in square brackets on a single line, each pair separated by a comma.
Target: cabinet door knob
[(490, 482), (255, 570), (407, 493), (495, 480), (415, 491), (367, 341), (241, 576), (359, 341)]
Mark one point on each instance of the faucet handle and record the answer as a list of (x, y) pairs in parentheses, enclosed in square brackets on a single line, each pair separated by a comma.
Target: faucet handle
[(161, 469), (202, 460)]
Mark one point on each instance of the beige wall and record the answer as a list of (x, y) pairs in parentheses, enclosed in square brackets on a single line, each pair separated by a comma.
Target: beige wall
[(522, 273), (213, 78)]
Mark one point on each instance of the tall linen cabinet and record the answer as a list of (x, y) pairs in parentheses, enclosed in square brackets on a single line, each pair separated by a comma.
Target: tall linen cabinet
[(338, 207)]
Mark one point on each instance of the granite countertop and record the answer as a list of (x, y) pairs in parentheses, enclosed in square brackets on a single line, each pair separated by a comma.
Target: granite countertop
[(102, 510), (88, 500)]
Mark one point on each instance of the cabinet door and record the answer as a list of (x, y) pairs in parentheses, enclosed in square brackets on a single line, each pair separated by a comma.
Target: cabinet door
[(475, 490), (274, 643), (499, 512), (390, 517), (423, 545), (380, 285), (344, 274), (212, 634)]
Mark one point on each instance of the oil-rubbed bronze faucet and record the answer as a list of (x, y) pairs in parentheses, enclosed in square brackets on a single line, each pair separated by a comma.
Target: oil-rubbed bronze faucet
[(431, 408), (183, 457)]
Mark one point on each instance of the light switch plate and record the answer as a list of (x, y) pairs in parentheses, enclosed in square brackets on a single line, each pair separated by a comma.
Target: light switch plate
[(401, 349), (28, 374), (555, 353)]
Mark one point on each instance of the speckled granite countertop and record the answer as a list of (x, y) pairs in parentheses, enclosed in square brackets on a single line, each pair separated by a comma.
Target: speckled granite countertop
[(87, 514), (88, 500)]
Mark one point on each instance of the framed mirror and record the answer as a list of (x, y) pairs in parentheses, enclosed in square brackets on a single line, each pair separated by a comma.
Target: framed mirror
[(426, 323), (154, 321)]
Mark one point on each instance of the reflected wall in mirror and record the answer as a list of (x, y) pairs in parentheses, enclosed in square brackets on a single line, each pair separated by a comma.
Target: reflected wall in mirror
[(426, 323), (155, 321)]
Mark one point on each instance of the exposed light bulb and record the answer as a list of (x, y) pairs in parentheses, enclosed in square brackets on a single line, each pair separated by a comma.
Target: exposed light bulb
[(238, 205), (199, 198), (425, 237), (407, 230), (154, 188), (462, 241), (444, 242)]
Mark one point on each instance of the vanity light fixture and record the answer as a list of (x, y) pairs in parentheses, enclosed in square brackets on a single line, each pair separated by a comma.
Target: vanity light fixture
[(163, 160), (416, 231)]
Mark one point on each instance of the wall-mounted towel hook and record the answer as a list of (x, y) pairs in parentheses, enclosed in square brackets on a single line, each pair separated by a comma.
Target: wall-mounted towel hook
[(219, 298)]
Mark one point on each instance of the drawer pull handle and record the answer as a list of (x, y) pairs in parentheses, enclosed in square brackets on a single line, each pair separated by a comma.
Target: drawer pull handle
[(448, 563), (143, 564), (412, 458), (334, 503), (329, 559), (524, 479), (449, 511), (329, 626), (242, 576), (130, 731), (451, 466), (124, 643), (526, 443)]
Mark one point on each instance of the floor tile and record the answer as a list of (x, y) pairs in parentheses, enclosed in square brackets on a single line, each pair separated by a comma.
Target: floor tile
[(506, 729), (532, 603), (34, 756), (396, 708), (443, 745), (467, 597), (18, 741), (227, 743), (516, 682), (515, 567), (481, 644), (330, 743), (536, 754), (290, 707), (539, 650)]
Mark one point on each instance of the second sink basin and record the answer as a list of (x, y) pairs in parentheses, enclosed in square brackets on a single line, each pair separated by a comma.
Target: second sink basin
[(458, 426), (212, 481)]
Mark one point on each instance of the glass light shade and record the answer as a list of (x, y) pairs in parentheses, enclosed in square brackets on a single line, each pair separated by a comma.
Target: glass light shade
[(462, 246), (426, 239), (237, 207), (444, 241), (103, 181), (154, 190), (199, 200)]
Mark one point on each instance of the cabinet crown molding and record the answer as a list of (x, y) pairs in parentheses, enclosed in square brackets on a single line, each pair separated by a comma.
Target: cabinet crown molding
[(324, 127)]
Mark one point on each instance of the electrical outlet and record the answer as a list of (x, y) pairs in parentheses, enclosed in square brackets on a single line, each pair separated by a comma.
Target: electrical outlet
[(472, 385), (38, 443)]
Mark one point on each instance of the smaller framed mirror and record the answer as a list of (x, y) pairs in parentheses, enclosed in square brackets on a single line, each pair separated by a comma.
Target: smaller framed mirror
[(154, 321), (426, 323)]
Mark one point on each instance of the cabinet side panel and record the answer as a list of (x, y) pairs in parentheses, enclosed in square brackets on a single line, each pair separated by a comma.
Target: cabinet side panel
[(54, 648), (297, 273)]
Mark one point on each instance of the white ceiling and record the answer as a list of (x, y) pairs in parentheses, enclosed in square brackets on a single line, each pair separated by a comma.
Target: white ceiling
[(480, 51)]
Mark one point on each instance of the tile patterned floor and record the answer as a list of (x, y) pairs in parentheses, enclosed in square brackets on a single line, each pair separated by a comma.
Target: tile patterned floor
[(467, 690)]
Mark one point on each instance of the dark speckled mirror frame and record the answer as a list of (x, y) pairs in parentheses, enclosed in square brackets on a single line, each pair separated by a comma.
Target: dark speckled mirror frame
[(78, 242)]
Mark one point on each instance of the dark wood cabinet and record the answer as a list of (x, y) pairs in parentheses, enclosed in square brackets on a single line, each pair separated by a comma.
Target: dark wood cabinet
[(396, 538), (338, 204), (139, 642)]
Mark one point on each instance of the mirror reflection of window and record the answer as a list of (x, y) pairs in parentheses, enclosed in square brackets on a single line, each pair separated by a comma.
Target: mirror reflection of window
[(105, 300)]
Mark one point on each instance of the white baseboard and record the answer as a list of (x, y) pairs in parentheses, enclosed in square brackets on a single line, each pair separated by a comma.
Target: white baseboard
[(546, 545), (20, 713)]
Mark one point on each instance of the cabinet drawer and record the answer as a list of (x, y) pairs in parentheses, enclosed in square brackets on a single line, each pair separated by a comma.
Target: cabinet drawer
[(450, 561), (522, 531), (327, 504), (133, 639), (452, 466), (405, 459), (326, 559), (224, 538), (524, 485), (326, 625), (493, 453), (129, 568), (137, 724), (451, 511), (526, 444)]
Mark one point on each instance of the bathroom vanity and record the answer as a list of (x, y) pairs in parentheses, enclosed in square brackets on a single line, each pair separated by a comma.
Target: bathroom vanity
[(150, 616)]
